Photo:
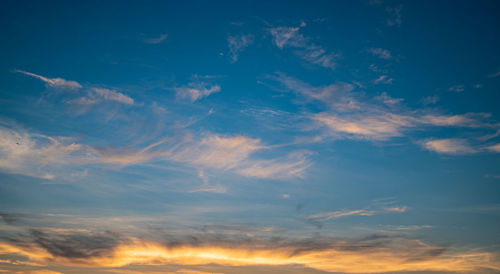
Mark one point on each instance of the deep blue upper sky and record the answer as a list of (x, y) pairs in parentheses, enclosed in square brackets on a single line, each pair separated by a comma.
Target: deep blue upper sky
[(316, 119)]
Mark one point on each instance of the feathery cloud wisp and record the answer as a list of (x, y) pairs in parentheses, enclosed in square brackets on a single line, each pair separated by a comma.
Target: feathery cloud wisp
[(380, 53), (449, 146), (197, 91), (157, 40), (57, 83), (290, 37), (237, 44), (113, 95)]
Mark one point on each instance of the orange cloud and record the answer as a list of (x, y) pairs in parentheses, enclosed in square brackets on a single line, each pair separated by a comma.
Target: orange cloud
[(416, 257)]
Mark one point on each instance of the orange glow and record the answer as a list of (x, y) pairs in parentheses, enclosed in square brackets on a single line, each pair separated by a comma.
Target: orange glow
[(384, 260)]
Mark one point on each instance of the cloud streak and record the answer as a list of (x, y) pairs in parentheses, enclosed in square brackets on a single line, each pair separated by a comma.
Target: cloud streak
[(56, 83), (290, 37), (237, 44), (197, 91)]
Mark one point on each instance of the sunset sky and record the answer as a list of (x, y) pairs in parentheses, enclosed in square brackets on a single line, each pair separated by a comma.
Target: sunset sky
[(250, 137)]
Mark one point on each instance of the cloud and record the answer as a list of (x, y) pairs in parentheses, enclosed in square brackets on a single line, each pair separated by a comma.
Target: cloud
[(380, 53), (494, 75), (370, 127), (377, 207), (372, 254), (125, 157), (395, 17), (397, 209), (340, 213), (289, 37), (56, 83), (234, 153), (430, 100), (210, 189), (25, 153), (237, 44), (495, 148), (197, 91), (217, 152), (113, 95), (338, 94), (457, 88), (157, 40), (158, 109), (449, 146), (348, 114), (290, 166), (383, 79), (388, 100)]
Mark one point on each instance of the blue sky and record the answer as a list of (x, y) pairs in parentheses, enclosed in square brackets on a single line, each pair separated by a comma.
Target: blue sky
[(250, 136)]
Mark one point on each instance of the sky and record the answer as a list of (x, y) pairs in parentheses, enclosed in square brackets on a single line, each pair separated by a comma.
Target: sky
[(250, 137)]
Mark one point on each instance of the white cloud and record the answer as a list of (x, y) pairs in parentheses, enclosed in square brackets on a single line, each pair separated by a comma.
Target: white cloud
[(290, 166), (197, 91), (290, 37), (210, 189), (383, 79), (449, 146), (371, 127), (340, 213), (388, 100), (449, 120), (57, 83), (233, 153), (26, 153), (495, 148), (380, 53), (352, 115), (157, 40), (219, 152), (396, 209), (113, 95), (337, 94), (237, 44)]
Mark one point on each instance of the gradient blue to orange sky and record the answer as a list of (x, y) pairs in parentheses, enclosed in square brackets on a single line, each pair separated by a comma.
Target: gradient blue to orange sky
[(250, 136)]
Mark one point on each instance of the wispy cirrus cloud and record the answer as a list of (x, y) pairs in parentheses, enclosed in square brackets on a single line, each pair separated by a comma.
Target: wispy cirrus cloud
[(377, 207), (449, 146), (57, 83), (290, 37), (457, 88), (395, 17), (113, 95), (237, 44), (494, 75), (156, 40), (217, 152), (197, 90), (352, 115), (430, 100), (494, 148), (380, 53), (234, 153), (383, 79), (27, 153)]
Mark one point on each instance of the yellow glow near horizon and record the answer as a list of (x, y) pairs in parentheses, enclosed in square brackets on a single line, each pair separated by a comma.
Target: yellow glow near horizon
[(149, 253)]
